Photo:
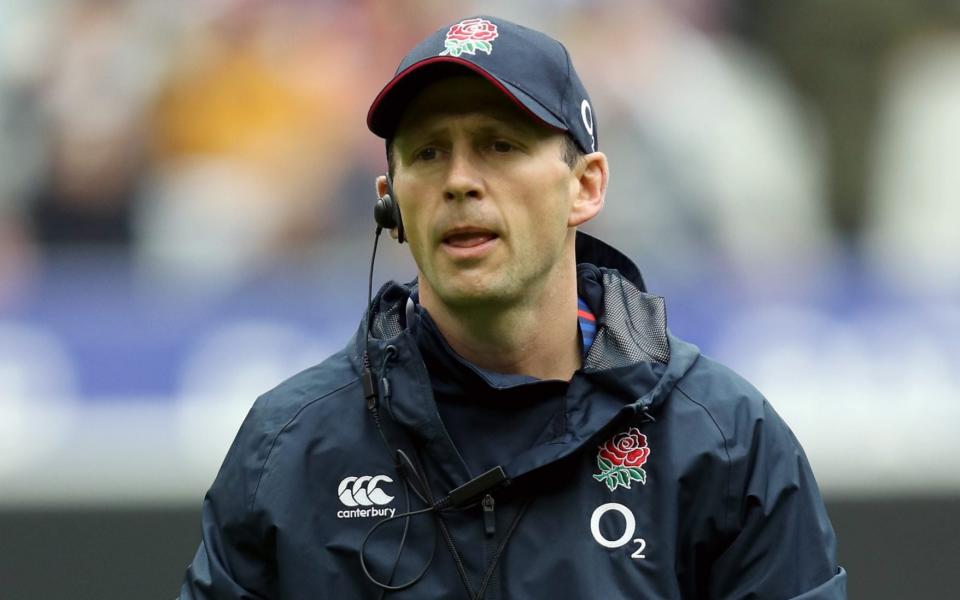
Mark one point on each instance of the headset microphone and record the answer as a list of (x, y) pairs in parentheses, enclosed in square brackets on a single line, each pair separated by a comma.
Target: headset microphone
[(386, 212)]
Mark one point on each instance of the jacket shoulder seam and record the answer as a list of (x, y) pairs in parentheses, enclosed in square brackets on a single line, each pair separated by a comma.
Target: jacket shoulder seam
[(726, 450), (273, 443)]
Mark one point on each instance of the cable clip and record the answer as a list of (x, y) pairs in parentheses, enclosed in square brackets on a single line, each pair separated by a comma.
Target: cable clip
[(369, 388)]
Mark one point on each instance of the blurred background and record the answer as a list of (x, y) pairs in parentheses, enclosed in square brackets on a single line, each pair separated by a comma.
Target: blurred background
[(186, 192)]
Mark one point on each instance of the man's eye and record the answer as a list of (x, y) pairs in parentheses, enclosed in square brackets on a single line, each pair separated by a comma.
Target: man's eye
[(501, 146), (426, 154)]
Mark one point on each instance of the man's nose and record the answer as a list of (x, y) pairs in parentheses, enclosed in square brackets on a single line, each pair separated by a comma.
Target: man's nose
[(463, 176)]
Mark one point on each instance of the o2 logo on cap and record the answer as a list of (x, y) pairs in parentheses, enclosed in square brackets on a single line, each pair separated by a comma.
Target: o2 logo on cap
[(586, 113)]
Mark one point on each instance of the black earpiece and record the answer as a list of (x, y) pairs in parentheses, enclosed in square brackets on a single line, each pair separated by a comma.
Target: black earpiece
[(386, 212)]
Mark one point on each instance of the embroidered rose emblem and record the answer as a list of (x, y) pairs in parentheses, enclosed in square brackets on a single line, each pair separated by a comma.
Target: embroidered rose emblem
[(466, 37), (620, 459)]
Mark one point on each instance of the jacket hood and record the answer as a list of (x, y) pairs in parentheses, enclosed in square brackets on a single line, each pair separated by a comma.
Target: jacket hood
[(630, 369)]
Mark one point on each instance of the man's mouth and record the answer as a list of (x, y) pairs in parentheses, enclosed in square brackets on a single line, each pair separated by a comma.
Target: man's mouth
[(468, 238)]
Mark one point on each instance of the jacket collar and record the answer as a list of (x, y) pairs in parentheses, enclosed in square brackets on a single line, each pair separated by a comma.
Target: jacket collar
[(591, 250), (630, 369)]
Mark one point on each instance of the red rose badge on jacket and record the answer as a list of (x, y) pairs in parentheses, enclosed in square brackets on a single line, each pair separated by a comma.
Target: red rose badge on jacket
[(468, 36), (620, 459)]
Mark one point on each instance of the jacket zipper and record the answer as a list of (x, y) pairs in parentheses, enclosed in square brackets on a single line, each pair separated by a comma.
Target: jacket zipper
[(489, 517), (488, 505)]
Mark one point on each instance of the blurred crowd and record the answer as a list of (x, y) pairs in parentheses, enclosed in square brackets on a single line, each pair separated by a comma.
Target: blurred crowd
[(765, 139), (182, 180)]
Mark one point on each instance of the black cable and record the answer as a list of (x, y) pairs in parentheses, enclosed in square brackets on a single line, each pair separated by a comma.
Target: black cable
[(408, 470), (403, 540), (407, 516), (366, 538), (373, 258), (371, 394)]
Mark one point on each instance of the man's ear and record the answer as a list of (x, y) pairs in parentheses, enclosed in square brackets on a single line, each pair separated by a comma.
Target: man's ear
[(592, 173), (382, 189)]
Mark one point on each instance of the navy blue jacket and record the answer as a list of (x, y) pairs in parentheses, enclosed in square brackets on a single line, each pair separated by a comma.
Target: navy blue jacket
[(668, 476)]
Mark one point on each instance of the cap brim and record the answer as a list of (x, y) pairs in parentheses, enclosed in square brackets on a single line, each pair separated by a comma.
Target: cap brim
[(388, 106)]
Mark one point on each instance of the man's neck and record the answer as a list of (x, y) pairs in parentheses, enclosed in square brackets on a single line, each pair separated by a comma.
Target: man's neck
[(537, 337)]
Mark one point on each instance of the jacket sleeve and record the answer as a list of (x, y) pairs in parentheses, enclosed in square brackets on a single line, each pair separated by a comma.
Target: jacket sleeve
[(782, 543), (235, 558)]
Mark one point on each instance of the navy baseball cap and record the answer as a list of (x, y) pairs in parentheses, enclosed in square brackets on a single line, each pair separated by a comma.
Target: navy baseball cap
[(529, 67)]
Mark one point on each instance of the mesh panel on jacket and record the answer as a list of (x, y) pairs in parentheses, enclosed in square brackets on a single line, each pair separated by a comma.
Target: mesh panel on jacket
[(633, 327)]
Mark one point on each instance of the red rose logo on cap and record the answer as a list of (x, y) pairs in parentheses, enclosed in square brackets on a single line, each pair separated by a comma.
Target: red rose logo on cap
[(466, 37), (620, 459)]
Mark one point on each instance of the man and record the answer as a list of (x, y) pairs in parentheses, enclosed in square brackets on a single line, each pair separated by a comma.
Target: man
[(517, 423)]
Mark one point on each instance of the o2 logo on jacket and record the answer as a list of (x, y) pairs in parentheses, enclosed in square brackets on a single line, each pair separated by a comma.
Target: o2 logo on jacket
[(629, 528), (364, 491)]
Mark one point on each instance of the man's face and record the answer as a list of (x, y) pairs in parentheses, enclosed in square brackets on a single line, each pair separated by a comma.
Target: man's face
[(484, 192)]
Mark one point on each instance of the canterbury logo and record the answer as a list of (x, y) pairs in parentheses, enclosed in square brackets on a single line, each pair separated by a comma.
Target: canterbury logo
[(363, 491)]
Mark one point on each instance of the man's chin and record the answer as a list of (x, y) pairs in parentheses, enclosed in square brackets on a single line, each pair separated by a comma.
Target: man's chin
[(471, 293)]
